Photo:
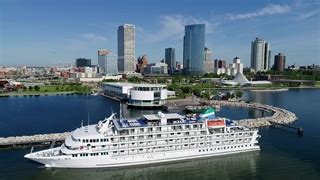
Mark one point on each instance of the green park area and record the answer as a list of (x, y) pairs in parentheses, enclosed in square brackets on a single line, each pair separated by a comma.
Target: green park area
[(51, 89)]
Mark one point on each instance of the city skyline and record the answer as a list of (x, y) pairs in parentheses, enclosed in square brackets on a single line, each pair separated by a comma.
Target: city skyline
[(44, 37)]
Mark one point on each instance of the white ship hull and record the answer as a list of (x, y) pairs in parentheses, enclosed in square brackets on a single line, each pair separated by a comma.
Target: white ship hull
[(134, 160)]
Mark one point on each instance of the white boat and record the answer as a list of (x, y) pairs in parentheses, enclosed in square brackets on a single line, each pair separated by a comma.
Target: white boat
[(154, 138)]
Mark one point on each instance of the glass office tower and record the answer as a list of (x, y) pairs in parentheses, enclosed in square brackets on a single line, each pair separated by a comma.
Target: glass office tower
[(193, 46)]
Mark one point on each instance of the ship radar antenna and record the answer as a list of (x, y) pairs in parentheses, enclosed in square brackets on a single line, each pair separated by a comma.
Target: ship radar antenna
[(88, 118), (120, 113)]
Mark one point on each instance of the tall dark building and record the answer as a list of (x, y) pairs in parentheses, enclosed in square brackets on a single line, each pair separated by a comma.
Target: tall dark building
[(279, 62), (193, 46), (222, 64), (83, 62), (215, 64), (170, 59)]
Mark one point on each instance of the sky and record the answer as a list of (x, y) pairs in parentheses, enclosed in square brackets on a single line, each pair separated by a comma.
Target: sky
[(52, 32)]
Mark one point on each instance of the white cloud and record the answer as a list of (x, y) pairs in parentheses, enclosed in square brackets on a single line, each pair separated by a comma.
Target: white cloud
[(93, 37), (172, 26), (308, 15), (271, 9)]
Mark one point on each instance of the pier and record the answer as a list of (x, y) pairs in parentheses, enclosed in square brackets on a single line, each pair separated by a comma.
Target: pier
[(17, 141)]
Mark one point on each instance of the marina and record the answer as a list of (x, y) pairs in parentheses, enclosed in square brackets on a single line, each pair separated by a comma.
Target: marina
[(280, 116), (282, 154)]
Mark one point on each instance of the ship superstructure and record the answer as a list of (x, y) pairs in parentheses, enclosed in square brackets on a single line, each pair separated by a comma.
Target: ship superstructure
[(153, 138)]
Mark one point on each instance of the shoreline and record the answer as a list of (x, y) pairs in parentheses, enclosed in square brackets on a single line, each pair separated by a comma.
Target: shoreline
[(44, 94)]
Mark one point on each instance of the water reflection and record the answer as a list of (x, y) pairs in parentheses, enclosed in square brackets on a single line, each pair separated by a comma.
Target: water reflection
[(222, 166)]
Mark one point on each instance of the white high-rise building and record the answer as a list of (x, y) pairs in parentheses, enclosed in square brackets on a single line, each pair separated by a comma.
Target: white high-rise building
[(232, 69), (208, 62), (260, 55), (126, 48), (107, 62)]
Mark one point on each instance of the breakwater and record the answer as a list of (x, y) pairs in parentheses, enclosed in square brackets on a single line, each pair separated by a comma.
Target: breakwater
[(32, 140), (280, 116)]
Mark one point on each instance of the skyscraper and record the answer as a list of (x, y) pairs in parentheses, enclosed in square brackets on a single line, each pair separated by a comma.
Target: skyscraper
[(260, 55), (83, 62), (170, 59), (279, 62), (193, 49), (208, 62), (126, 48), (107, 63)]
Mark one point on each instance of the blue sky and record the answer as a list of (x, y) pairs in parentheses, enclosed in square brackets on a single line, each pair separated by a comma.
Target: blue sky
[(47, 32)]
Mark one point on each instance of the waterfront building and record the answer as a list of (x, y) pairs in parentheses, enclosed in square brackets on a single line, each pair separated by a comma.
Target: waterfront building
[(156, 68), (193, 45), (279, 62), (140, 95), (170, 59), (142, 64), (83, 62), (126, 48), (208, 62), (107, 62), (260, 55)]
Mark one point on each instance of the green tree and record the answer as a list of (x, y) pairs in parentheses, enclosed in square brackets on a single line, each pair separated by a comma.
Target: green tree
[(37, 88), (30, 88), (239, 94), (24, 88)]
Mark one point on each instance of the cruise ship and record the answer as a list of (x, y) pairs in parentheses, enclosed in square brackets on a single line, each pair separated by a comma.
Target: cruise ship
[(154, 138)]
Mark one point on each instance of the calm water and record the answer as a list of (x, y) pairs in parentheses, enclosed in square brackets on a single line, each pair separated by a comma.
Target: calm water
[(283, 155)]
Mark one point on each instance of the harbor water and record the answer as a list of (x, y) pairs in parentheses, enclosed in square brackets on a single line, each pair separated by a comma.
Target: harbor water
[(283, 155)]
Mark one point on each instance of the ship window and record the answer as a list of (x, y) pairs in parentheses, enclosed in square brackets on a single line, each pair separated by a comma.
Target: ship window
[(97, 140), (114, 145), (103, 146), (114, 152), (91, 140), (179, 133), (83, 141), (93, 147), (217, 142), (199, 150), (122, 151)]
